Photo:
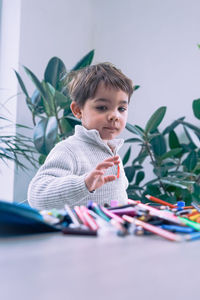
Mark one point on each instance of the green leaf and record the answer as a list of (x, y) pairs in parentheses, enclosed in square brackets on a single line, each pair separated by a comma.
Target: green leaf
[(196, 191), (193, 127), (190, 161), (51, 133), (173, 140), (62, 100), (152, 190), (65, 125), (45, 135), (130, 172), (159, 146), (196, 108), (143, 154), (171, 153), (55, 71), (134, 129), (139, 177), (133, 140), (127, 156), (174, 183), (49, 101), (37, 102), (42, 159), (136, 87), (192, 137), (21, 83), (173, 125), (85, 61), (155, 119), (72, 120), (35, 81)]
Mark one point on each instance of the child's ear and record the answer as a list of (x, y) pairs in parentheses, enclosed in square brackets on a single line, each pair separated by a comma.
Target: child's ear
[(75, 110)]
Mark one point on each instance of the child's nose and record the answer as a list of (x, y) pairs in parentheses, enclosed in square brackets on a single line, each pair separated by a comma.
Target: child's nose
[(113, 116)]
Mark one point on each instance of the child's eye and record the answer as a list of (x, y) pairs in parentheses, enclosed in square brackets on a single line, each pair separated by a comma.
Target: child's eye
[(122, 109), (101, 108)]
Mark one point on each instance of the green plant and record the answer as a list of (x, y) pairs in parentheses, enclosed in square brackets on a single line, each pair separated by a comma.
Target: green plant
[(14, 146), (174, 159), (50, 104)]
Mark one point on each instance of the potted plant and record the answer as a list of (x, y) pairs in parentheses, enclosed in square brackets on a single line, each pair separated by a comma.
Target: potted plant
[(50, 104), (14, 146), (174, 159)]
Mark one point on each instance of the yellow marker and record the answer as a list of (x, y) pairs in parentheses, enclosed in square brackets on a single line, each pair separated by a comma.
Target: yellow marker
[(194, 217)]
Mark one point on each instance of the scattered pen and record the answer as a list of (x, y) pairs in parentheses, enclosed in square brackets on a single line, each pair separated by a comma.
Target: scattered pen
[(90, 221), (112, 215), (195, 205), (159, 231), (157, 200), (118, 171), (72, 216)]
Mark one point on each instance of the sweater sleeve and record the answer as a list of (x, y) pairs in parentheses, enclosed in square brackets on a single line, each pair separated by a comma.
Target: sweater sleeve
[(56, 183)]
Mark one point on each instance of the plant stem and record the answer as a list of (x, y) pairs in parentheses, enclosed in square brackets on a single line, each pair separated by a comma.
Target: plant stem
[(147, 145)]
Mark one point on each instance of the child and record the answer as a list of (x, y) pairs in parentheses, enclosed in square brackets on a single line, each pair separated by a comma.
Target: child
[(86, 166)]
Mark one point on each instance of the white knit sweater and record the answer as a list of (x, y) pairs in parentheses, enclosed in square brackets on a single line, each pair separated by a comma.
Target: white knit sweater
[(60, 180)]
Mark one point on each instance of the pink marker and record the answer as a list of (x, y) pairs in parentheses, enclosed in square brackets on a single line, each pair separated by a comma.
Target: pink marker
[(112, 215), (157, 230), (90, 221)]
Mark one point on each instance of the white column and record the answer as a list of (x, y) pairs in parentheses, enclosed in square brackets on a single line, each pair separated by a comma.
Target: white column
[(9, 55)]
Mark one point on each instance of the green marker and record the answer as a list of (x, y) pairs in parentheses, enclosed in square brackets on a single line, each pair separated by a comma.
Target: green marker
[(99, 212), (192, 224)]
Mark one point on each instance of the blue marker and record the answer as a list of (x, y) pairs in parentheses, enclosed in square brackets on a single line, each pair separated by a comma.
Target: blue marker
[(177, 228), (192, 236)]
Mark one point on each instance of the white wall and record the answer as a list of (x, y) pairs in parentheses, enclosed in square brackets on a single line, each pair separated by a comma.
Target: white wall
[(154, 42), (9, 55)]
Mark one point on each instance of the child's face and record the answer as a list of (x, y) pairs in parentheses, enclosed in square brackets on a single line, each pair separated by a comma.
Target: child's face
[(107, 112)]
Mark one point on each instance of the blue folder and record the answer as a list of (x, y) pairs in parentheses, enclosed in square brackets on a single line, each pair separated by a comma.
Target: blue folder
[(20, 219)]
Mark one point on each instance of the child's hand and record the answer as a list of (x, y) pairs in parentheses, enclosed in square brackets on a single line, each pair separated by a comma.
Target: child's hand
[(96, 178)]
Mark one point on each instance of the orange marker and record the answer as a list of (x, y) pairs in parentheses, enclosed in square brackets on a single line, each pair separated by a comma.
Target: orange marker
[(157, 200), (118, 171)]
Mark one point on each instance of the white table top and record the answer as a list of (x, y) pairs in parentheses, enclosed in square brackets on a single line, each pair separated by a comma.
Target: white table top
[(56, 266)]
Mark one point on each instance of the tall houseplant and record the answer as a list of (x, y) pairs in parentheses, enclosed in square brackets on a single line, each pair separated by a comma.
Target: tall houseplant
[(174, 161), (50, 104), (14, 146)]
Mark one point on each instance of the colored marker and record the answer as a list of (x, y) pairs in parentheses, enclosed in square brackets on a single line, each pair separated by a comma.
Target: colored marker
[(196, 205), (99, 212), (112, 215), (131, 211), (118, 171), (79, 231), (72, 215), (90, 221), (177, 228), (165, 215), (157, 200), (80, 214), (192, 236), (194, 217), (190, 223), (159, 231)]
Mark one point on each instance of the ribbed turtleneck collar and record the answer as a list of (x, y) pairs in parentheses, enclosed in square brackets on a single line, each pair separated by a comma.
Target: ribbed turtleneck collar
[(92, 136)]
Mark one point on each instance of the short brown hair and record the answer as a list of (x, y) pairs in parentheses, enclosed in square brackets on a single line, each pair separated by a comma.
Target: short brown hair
[(82, 84)]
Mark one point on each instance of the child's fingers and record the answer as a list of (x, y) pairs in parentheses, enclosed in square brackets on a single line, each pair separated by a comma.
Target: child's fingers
[(104, 165), (109, 178), (112, 159), (96, 173)]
